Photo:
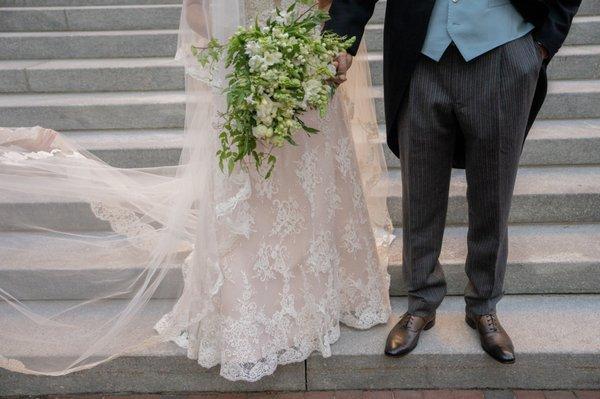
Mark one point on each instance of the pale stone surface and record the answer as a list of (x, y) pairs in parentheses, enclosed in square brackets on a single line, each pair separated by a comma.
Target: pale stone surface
[(160, 369), (585, 30), (546, 259), (124, 17), (32, 19), (76, 3), (449, 355), (542, 195), (542, 259), (565, 100), (78, 111), (553, 142), (576, 62), (109, 44)]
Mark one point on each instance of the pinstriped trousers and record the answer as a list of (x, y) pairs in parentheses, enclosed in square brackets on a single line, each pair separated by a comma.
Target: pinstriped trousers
[(486, 101)]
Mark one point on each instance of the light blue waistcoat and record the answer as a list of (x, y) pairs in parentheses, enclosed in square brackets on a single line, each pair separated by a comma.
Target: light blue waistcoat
[(475, 27)]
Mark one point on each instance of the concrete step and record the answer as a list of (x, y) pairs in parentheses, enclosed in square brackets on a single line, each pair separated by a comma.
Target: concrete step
[(163, 368), (88, 44), (567, 99), (585, 30), (48, 258), (560, 142), (76, 3), (43, 18), (571, 62), (163, 73), (448, 356), (90, 75), (576, 62), (83, 18), (551, 142), (542, 195), (572, 100), (84, 111), (543, 259), (132, 148), (165, 109), (98, 40), (588, 7)]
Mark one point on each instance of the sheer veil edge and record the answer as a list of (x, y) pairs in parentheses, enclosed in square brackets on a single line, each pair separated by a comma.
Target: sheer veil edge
[(140, 239)]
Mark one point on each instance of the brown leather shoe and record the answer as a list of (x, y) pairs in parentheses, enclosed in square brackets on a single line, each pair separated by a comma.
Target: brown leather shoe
[(404, 337), (494, 339)]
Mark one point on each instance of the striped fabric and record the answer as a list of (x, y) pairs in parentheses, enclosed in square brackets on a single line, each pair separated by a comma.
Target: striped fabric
[(487, 102)]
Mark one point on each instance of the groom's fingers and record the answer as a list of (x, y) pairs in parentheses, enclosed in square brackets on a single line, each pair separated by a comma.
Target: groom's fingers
[(342, 64), (338, 80)]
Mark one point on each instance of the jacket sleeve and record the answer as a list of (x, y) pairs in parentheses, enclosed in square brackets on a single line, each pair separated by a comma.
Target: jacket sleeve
[(553, 32), (349, 18)]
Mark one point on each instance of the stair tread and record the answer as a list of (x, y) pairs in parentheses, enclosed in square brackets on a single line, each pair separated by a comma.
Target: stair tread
[(89, 63), (529, 319), (560, 129), (127, 139), (52, 34), (86, 99), (90, 7), (529, 244), (552, 180), (567, 50), (532, 321), (565, 129), (34, 99), (554, 87), (169, 138)]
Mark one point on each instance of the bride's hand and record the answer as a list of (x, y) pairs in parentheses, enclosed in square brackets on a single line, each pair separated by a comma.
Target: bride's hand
[(342, 64)]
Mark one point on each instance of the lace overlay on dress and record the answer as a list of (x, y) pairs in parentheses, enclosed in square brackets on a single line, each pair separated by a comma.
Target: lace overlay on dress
[(301, 257), (306, 263)]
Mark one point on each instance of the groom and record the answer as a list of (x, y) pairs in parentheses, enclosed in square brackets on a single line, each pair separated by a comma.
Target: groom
[(464, 81)]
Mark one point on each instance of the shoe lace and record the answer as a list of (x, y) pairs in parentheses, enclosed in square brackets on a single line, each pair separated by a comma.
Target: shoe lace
[(408, 320), (492, 321)]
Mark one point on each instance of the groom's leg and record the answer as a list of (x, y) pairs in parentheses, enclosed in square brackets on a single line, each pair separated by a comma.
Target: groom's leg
[(495, 93), (427, 129)]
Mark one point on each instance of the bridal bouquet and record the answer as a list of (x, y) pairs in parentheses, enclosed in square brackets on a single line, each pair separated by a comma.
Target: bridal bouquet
[(279, 69)]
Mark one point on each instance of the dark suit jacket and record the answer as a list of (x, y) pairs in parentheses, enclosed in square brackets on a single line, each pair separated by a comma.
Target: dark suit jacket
[(406, 24)]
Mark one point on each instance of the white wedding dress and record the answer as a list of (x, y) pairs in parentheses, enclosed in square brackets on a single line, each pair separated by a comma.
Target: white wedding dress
[(272, 267)]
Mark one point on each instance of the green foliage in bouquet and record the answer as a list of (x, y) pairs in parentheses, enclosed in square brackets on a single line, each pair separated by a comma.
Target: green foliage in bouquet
[(279, 69)]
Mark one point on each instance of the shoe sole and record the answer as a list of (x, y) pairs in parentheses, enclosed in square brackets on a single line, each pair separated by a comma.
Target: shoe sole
[(428, 326), (472, 324)]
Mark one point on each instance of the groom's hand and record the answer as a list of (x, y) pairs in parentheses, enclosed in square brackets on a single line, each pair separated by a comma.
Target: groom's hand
[(342, 64)]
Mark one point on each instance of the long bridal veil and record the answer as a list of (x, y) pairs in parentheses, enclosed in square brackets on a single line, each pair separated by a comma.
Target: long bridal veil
[(98, 261)]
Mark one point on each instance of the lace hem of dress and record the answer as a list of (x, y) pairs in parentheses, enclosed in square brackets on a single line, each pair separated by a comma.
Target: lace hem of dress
[(255, 370)]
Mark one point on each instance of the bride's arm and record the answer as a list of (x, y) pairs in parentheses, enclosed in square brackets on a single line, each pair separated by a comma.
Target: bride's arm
[(196, 16)]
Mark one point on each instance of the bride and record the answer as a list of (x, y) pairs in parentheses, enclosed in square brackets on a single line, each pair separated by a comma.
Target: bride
[(242, 272)]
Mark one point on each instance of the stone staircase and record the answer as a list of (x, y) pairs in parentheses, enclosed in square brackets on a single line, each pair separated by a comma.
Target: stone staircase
[(101, 71)]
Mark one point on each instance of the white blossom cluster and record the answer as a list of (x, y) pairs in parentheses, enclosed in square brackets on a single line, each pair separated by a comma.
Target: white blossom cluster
[(278, 70)]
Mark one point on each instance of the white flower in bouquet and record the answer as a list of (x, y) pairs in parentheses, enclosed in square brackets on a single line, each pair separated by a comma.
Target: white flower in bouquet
[(276, 71)]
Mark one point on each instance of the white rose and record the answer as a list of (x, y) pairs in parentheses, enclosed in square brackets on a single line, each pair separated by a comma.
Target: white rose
[(261, 131), (253, 48), (283, 18), (272, 58), (266, 110), (312, 88), (256, 63)]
